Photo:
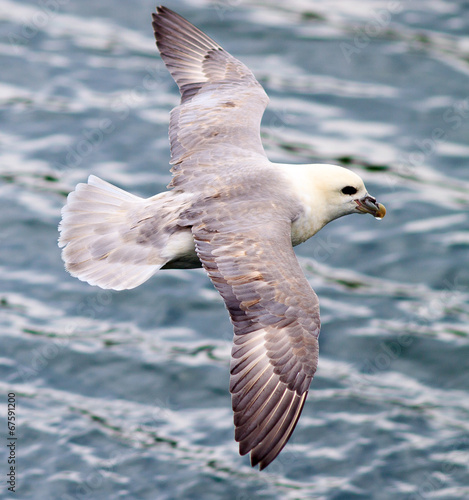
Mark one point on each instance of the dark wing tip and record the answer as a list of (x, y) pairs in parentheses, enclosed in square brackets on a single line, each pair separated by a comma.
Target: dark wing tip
[(267, 450), (165, 18), (190, 55), (270, 453), (164, 11), (161, 14)]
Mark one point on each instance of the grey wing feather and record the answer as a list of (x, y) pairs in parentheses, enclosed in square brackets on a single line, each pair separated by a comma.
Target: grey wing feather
[(275, 314), (221, 101)]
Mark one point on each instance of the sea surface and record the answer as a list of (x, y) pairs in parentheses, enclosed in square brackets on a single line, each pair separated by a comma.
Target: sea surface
[(124, 395)]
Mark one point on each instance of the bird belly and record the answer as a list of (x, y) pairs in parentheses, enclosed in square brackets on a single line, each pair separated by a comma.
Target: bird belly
[(180, 250)]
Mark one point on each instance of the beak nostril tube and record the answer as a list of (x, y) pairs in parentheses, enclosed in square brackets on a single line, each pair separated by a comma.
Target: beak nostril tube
[(369, 205)]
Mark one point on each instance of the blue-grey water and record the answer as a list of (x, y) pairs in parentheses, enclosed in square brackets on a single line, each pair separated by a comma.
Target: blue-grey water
[(125, 394)]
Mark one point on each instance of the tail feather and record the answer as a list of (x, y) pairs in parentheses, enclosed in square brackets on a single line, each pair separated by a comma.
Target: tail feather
[(100, 234)]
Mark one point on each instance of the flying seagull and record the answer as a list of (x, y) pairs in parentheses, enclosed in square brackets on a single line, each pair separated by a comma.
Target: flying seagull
[(236, 214)]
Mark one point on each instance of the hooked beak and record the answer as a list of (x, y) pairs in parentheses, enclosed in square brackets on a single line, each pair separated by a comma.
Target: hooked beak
[(369, 205)]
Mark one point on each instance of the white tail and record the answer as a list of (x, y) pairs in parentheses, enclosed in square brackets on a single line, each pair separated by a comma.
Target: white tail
[(101, 232)]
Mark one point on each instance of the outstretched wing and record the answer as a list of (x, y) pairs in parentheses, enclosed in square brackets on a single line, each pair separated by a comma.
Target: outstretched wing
[(275, 314), (243, 241), (221, 101)]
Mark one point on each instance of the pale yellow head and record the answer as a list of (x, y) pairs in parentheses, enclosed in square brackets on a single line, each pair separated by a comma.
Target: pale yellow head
[(328, 192)]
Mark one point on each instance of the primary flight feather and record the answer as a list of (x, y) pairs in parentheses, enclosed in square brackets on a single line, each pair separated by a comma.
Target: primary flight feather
[(232, 211)]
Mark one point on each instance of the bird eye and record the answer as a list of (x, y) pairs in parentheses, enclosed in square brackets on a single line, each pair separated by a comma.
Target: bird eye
[(349, 190)]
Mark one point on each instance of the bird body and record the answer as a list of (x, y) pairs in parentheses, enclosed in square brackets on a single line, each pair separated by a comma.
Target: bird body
[(232, 211)]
